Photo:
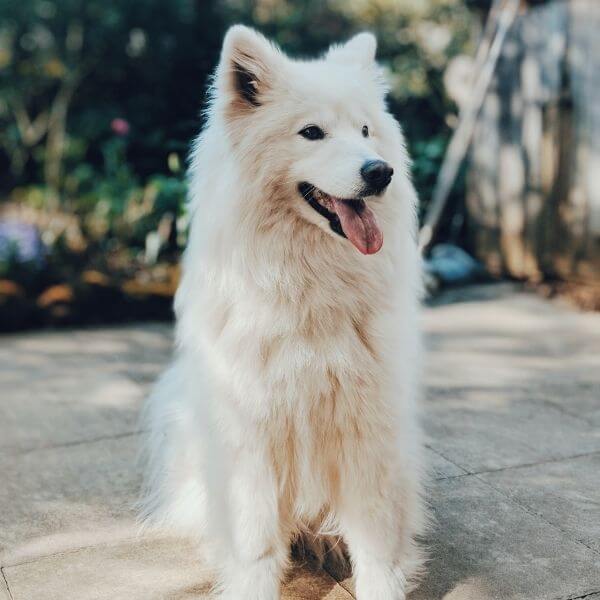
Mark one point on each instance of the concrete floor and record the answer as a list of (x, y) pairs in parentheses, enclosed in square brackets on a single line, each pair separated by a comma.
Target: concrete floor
[(512, 415)]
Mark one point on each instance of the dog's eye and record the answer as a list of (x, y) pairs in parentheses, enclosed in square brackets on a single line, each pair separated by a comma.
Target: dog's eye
[(365, 131), (312, 132)]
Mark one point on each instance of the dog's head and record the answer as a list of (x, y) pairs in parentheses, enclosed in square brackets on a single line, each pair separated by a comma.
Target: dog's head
[(316, 131)]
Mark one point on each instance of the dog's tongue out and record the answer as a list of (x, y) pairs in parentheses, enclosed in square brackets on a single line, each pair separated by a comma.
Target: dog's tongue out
[(359, 224)]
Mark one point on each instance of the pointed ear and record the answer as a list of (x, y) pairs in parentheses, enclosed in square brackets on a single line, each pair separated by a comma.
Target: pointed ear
[(246, 67), (360, 50)]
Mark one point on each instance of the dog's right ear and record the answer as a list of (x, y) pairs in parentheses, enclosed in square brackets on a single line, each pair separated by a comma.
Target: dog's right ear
[(359, 50), (245, 70)]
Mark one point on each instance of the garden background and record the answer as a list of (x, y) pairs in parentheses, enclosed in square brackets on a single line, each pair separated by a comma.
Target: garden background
[(99, 102)]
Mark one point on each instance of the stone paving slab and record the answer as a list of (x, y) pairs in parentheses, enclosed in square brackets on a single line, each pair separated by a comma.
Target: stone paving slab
[(106, 405), (579, 400), (143, 570), (485, 546), (482, 429), (67, 497), (512, 379), (89, 383), (513, 395), (3, 590), (61, 393), (138, 351), (440, 467), (565, 493), (150, 569), (497, 339)]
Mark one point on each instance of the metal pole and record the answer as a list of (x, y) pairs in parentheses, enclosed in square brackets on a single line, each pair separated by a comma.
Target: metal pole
[(459, 144)]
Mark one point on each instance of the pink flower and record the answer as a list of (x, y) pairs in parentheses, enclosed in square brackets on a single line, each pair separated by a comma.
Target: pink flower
[(120, 126)]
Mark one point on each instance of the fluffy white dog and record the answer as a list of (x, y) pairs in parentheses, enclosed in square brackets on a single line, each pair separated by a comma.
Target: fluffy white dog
[(290, 408)]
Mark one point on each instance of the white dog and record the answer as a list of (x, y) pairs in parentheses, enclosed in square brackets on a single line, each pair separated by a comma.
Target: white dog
[(290, 408)]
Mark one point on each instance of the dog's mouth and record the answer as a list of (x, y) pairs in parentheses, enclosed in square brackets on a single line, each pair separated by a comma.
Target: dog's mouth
[(349, 218)]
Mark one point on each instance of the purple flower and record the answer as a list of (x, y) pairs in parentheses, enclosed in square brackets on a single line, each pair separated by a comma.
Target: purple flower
[(120, 126), (21, 242)]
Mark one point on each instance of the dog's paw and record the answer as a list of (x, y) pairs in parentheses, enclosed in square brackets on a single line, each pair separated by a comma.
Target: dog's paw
[(258, 580), (256, 592), (380, 582)]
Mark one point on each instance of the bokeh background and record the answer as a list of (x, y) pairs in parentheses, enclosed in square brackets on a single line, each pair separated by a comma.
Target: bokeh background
[(98, 104)]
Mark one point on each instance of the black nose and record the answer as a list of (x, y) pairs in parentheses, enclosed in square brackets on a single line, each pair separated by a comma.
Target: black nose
[(377, 174)]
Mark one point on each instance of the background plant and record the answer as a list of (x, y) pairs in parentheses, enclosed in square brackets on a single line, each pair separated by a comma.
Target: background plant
[(99, 101)]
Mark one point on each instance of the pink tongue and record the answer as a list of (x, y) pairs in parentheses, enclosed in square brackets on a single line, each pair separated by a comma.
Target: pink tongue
[(361, 228)]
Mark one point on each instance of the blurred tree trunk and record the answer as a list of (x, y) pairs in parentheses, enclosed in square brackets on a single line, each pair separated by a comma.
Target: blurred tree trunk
[(533, 196), (51, 121), (57, 132), (31, 131)]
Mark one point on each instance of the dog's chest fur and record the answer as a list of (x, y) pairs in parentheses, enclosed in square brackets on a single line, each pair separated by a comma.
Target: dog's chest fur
[(303, 364)]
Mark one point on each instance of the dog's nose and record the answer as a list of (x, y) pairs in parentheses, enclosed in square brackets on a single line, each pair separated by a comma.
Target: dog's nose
[(377, 174)]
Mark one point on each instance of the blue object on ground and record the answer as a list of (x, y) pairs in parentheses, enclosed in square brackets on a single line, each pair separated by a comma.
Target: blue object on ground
[(452, 265)]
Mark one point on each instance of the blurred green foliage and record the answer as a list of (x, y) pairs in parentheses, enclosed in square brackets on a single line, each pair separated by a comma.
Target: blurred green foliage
[(99, 100)]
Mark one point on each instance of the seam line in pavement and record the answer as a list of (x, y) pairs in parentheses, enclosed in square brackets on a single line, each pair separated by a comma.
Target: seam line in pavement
[(66, 552), (339, 584), (528, 509), (585, 595), (101, 438), (524, 507), (520, 466), (560, 408), (6, 584), (450, 461)]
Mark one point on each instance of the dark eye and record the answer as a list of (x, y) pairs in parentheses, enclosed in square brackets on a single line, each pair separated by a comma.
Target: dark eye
[(365, 131), (312, 132)]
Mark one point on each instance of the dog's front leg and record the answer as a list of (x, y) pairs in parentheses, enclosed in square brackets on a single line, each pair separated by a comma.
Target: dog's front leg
[(259, 547), (370, 520)]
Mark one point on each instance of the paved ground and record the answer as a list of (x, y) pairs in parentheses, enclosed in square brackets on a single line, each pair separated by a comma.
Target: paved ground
[(513, 425)]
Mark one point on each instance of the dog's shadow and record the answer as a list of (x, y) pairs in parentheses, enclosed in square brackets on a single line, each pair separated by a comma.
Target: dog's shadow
[(449, 575)]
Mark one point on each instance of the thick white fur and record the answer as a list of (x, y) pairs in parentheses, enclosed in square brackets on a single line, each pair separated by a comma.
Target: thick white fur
[(291, 402)]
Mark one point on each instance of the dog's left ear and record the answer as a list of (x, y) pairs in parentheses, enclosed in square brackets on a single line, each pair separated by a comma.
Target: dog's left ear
[(246, 68), (359, 50)]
